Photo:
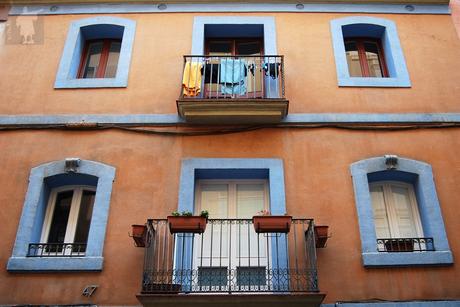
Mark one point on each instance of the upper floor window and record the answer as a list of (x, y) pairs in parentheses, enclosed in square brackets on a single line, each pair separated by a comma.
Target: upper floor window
[(368, 53), (365, 58), (100, 59), (97, 53)]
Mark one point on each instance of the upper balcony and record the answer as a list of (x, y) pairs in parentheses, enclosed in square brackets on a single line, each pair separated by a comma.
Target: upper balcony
[(230, 264), (232, 89)]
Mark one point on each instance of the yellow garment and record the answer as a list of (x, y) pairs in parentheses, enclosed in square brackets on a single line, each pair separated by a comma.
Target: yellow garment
[(191, 80)]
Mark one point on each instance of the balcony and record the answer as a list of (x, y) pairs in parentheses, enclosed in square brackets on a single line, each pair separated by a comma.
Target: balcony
[(230, 264), (232, 89)]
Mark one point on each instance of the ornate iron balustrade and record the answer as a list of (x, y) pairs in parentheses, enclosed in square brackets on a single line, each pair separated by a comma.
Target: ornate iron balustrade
[(230, 257), (405, 245), (56, 250), (236, 77)]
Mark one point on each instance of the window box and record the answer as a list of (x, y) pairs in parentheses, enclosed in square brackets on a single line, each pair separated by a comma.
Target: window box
[(272, 223), (321, 235), (187, 224), (139, 234)]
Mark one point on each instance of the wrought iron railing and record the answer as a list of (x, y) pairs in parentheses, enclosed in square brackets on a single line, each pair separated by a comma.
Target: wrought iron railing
[(236, 77), (56, 250), (230, 257), (405, 245)]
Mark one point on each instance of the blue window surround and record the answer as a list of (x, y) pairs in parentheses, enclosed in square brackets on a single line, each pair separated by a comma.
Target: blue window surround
[(42, 179), (421, 176), (369, 27), (229, 26), (95, 28), (195, 169)]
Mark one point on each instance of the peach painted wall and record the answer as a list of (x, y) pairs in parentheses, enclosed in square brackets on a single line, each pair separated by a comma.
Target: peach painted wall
[(316, 162), (318, 185), (429, 42)]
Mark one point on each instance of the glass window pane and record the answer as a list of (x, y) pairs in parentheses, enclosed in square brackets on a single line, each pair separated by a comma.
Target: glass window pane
[(60, 217), (214, 198), (249, 199), (354, 66), (373, 60), (248, 48), (251, 276), (84, 217), (112, 61), (220, 48), (405, 218), (92, 60), (382, 227)]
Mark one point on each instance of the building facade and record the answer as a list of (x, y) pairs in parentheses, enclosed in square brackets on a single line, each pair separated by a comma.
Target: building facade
[(342, 114)]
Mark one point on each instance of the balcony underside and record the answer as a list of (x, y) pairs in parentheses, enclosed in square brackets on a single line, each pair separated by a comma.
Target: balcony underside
[(234, 111), (232, 300)]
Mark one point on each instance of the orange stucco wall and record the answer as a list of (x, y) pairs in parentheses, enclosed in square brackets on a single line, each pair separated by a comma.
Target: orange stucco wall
[(429, 42), (316, 162), (318, 185)]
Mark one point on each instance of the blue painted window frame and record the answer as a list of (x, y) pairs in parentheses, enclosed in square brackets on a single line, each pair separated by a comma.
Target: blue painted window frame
[(394, 57), (419, 174), (195, 169), (41, 179), (70, 60)]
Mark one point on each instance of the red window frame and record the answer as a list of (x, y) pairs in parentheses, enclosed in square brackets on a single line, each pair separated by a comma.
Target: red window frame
[(106, 43), (362, 55)]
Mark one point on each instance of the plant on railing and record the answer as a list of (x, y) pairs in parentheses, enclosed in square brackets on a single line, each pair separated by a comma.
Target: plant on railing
[(264, 222), (186, 222)]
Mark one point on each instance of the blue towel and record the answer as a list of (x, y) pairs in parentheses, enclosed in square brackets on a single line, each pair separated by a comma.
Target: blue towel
[(233, 76)]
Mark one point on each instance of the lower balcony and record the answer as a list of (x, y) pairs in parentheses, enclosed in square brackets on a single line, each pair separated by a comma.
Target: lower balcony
[(230, 264), (232, 90)]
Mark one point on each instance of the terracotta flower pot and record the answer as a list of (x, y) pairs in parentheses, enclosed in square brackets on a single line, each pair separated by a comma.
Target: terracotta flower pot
[(187, 224), (138, 232), (272, 223), (321, 235)]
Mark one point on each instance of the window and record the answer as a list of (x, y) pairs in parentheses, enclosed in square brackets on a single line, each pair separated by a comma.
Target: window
[(367, 52), (365, 58), (97, 53), (64, 218), (231, 199), (399, 215), (67, 221), (100, 59), (229, 188)]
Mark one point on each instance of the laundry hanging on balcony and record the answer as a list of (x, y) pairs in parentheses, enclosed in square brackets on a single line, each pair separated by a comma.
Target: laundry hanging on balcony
[(233, 76), (191, 80)]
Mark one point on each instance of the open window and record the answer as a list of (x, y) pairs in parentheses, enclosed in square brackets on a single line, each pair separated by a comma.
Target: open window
[(365, 58), (67, 222), (64, 217)]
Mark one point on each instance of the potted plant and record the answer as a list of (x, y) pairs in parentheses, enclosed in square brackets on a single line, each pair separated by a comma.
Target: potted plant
[(321, 235), (187, 222), (267, 223), (138, 233)]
